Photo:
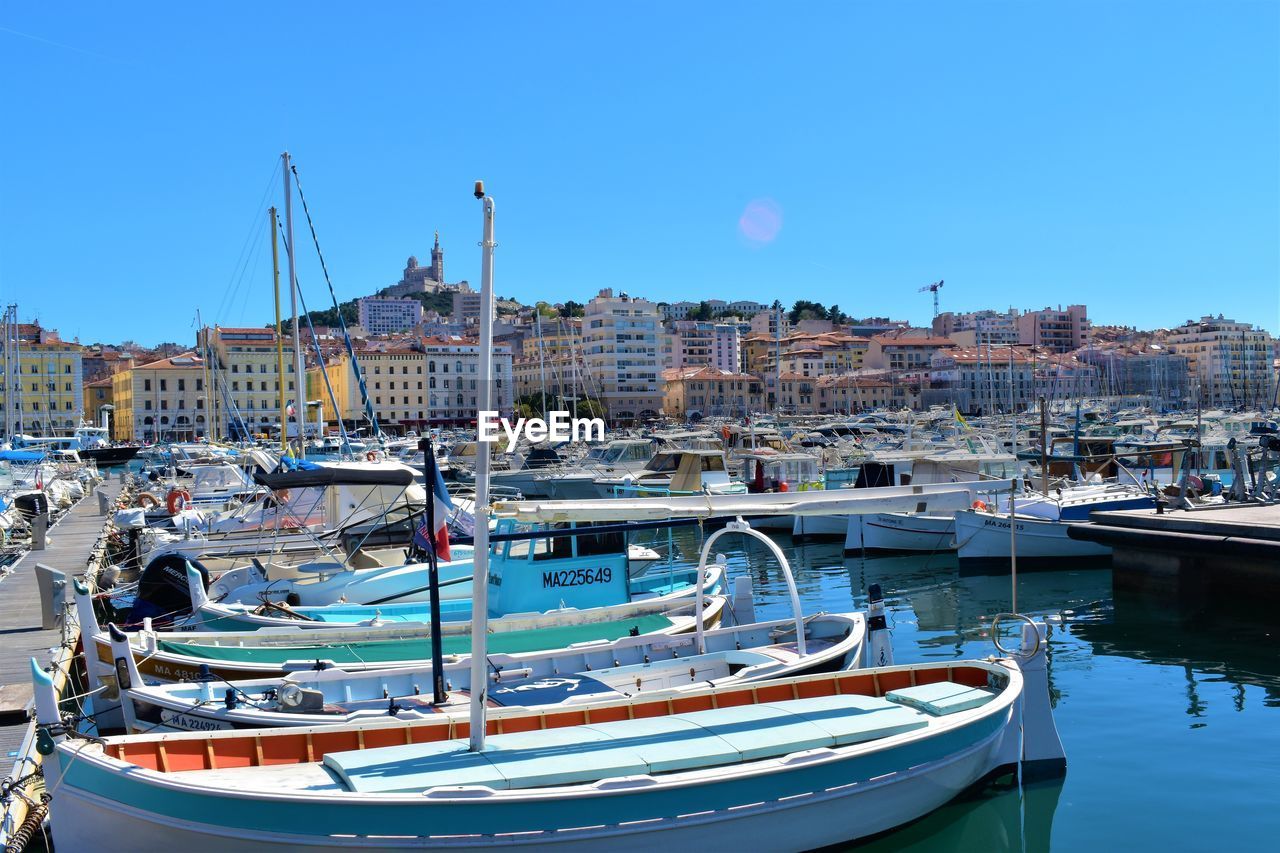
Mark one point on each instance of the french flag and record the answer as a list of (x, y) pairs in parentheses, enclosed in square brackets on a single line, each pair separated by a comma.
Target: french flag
[(435, 540)]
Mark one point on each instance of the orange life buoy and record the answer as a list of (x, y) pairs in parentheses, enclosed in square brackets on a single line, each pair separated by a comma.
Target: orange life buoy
[(146, 500), (371, 456), (980, 506), (177, 501)]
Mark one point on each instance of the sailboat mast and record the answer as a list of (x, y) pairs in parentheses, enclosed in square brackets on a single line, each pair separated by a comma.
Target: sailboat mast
[(480, 573), (542, 365), (275, 280), (298, 376)]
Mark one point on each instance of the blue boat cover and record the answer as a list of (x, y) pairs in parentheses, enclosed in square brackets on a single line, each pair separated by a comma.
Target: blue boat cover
[(21, 455), (583, 754)]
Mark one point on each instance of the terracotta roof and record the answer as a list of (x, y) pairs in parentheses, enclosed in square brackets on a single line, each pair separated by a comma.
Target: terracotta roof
[(182, 361), (705, 371)]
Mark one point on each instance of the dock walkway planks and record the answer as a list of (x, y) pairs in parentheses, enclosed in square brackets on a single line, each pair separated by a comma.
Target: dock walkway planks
[(69, 545)]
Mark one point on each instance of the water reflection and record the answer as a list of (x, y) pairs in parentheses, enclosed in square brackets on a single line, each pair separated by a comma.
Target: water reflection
[(1239, 645)]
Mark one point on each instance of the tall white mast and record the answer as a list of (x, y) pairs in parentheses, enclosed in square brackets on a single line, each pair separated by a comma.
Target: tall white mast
[(299, 378), (480, 573), (542, 364)]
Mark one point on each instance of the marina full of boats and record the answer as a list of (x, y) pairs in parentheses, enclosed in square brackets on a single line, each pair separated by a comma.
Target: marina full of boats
[(282, 654), (437, 643)]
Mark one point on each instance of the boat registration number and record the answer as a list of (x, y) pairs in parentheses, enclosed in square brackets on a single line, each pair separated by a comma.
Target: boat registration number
[(189, 722), (576, 577)]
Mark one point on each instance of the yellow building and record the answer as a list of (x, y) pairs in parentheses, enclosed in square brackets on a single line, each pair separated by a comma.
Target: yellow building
[(710, 392), (248, 378), (161, 401), (96, 395), (337, 368), (559, 338), (45, 394)]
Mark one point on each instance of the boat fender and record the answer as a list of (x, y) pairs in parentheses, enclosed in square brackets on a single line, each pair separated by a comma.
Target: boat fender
[(146, 500), (177, 501), (784, 486)]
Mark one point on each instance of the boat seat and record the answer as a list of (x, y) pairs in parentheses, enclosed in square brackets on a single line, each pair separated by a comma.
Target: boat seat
[(855, 719), (579, 754), (941, 698)]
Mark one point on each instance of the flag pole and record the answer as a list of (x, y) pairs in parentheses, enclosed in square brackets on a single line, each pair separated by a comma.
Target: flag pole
[(480, 574), (438, 694)]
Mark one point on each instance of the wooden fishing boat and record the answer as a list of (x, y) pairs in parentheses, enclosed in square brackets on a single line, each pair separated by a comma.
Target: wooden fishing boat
[(586, 672), (275, 652), (791, 764)]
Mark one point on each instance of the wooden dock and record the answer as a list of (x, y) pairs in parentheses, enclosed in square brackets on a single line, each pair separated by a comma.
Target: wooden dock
[(1231, 549), (70, 545)]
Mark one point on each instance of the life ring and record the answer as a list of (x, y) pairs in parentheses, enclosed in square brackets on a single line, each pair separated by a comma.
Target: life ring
[(980, 506), (146, 500), (371, 456), (177, 501)]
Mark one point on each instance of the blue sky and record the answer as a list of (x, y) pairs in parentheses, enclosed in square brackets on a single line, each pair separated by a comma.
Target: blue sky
[(1121, 154)]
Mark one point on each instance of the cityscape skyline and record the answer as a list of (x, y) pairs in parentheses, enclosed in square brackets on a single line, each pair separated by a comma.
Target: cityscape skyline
[(1086, 163)]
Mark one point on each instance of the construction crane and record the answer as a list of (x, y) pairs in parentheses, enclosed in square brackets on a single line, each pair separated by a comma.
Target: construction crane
[(933, 288)]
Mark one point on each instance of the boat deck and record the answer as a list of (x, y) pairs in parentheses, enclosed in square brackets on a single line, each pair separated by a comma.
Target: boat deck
[(69, 545)]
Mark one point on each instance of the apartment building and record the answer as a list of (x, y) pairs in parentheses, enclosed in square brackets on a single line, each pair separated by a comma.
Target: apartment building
[(620, 349), (163, 400), (849, 394), (385, 315), (1230, 364), (245, 372), (43, 379), (897, 353), (709, 391), (429, 382), (982, 380), (1055, 329), (978, 328), (699, 342)]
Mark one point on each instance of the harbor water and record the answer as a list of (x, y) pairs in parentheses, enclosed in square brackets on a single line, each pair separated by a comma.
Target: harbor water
[(1170, 714)]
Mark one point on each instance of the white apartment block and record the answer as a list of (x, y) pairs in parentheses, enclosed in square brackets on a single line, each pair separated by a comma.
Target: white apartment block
[(703, 343), (620, 348), (384, 315), (978, 328), (1230, 362)]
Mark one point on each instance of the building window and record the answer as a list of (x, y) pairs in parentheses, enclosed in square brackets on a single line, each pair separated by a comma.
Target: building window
[(146, 385)]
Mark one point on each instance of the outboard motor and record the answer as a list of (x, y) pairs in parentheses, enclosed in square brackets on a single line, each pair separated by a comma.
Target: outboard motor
[(31, 504), (163, 593)]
